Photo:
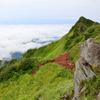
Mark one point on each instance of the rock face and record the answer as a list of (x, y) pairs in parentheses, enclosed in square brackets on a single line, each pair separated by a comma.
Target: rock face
[(83, 72), (90, 51), (89, 55), (98, 96), (64, 97)]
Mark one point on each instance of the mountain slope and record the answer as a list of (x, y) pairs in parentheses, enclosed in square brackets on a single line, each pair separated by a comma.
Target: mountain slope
[(49, 83), (63, 45), (52, 80)]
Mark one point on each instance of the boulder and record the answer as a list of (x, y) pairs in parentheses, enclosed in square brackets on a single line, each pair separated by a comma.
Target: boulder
[(41, 98), (90, 51), (98, 96), (83, 72), (89, 55), (64, 97)]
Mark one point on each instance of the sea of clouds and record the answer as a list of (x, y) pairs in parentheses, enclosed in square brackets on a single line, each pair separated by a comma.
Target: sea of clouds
[(20, 38)]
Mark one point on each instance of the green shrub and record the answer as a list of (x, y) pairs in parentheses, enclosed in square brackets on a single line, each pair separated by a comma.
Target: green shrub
[(29, 53), (96, 23), (91, 29), (42, 61), (86, 92), (28, 63), (13, 61), (18, 67), (74, 55)]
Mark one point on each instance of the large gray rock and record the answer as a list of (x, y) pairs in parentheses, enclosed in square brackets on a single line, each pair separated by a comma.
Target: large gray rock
[(83, 72), (90, 51), (98, 96), (89, 55)]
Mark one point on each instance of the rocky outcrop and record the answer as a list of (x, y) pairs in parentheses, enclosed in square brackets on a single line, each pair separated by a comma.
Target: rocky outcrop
[(81, 29), (89, 55), (83, 72), (64, 97), (90, 51), (98, 96)]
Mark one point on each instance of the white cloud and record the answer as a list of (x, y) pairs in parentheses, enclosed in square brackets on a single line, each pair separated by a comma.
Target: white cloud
[(19, 37)]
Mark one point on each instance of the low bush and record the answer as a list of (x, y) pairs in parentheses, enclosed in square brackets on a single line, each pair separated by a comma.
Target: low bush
[(18, 67), (29, 53), (43, 61), (91, 29)]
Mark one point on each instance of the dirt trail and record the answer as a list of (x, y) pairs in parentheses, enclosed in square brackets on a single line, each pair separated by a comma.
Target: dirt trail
[(61, 60), (37, 69)]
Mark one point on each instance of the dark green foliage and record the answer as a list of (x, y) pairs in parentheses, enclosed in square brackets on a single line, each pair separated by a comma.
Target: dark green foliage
[(74, 55), (18, 67), (6, 73), (43, 61), (96, 23), (86, 92), (29, 53), (27, 63), (2, 68), (80, 27), (92, 87), (13, 61), (91, 29), (76, 32), (85, 23)]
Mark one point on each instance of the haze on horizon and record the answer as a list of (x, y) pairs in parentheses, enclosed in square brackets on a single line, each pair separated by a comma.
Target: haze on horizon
[(47, 11), (26, 24)]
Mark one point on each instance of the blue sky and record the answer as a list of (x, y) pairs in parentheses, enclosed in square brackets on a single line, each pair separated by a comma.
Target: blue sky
[(47, 11)]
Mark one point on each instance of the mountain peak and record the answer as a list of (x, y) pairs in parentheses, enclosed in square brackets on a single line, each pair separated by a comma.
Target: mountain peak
[(82, 18), (85, 23)]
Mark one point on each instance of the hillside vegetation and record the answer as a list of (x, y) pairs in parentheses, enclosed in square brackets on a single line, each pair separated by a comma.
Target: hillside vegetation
[(69, 42), (49, 83), (52, 80)]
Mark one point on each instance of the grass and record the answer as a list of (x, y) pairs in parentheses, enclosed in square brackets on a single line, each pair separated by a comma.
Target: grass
[(46, 83)]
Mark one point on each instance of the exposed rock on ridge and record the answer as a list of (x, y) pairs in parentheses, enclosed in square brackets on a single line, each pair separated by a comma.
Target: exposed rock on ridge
[(90, 51), (89, 55)]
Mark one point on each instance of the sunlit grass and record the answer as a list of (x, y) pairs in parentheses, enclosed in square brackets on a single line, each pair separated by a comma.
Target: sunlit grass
[(50, 82)]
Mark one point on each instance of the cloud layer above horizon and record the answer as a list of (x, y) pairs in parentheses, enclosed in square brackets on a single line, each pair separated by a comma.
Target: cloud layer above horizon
[(23, 37), (47, 11)]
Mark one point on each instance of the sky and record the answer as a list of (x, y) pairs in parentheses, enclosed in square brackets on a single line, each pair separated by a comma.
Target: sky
[(47, 11), (26, 24)]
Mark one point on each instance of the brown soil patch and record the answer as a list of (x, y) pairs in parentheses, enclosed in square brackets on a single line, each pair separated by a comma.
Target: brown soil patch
[(61, 60), (36, 70)]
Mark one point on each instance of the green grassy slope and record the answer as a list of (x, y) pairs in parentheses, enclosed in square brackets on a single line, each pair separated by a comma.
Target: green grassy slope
[(52, 80), (63, 45)]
